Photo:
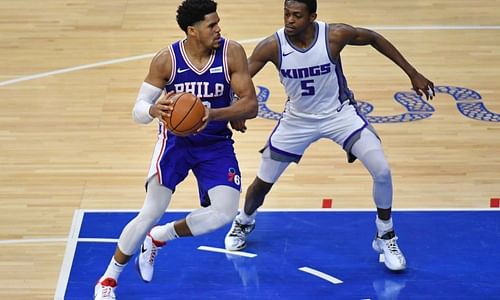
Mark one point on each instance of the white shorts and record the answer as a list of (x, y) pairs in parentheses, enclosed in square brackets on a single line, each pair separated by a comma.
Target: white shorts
[(293, 134)]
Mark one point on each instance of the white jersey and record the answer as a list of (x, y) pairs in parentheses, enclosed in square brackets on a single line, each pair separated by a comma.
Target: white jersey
[(313, 79)]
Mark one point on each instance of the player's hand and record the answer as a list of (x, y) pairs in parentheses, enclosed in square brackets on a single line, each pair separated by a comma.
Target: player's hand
[(205, 120), (239, 125), (423, 86), (163, 106)]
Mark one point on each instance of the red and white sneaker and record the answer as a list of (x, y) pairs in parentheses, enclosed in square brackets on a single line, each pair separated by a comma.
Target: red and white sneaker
[(105, 289), (146, 258)]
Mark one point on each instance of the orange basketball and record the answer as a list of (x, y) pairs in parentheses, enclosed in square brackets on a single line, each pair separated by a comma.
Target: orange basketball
[(187, 114)]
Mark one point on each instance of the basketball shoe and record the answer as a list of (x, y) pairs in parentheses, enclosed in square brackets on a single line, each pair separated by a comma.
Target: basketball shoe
[(387, 245), (236, 238), (146, 258), (105, 289)]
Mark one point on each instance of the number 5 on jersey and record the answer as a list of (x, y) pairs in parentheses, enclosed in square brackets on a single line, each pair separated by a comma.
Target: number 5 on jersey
[(307, 87)]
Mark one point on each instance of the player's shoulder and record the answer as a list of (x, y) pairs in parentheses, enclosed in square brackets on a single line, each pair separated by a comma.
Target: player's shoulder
[(339, 27), (233, 45), (340, 31), (162, 61), (162, 56), (268, 45)]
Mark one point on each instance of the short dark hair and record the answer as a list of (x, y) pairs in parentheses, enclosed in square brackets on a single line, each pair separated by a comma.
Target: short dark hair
[(311, 4), (193, 11)]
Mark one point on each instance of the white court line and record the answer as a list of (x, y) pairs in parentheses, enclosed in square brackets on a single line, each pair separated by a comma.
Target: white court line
[(149, 55), (437, 27), (94, 65), (34, 241), (321, 275), (94, 240), (69, 255), (220, 250)]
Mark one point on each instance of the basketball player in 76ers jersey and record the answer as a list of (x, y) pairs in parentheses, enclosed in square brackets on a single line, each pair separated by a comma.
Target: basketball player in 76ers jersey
[(306, 53), (212, 68)]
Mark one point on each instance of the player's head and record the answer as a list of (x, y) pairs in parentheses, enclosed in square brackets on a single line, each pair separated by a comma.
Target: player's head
[(298, 15), (199, 19)]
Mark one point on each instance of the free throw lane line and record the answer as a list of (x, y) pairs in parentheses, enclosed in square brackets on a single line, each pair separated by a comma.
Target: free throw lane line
[(219, 250), (321, 275)]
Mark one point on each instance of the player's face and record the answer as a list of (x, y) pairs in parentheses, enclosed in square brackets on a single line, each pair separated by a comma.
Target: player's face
[(297, 17), (209, 31)]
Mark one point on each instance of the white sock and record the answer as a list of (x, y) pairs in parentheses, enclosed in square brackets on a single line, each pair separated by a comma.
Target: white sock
[(245, 219), (383, 227), (164, 233), (114, 270)]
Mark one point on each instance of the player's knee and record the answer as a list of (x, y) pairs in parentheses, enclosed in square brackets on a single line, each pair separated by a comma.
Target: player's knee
[(218, 218), (382, 176), (148, 219)]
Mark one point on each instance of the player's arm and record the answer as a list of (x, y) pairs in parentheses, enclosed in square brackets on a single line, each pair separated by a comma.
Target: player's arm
[(343, 34), (148, 105), (241, 84), (265, 51)]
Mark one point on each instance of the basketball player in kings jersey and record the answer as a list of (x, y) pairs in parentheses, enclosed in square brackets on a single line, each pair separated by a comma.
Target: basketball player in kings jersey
[(306, 53), (212, 68)]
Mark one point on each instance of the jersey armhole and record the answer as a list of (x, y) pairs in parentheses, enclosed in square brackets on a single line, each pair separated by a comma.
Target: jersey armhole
[(225, 64), (173, 71), (280, 51)]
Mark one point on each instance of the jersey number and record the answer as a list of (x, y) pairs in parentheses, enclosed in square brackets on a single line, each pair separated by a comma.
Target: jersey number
[(307, 87)]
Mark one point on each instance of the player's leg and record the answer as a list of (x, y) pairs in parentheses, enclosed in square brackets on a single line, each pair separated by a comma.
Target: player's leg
[(368, 150), (157, 200), (287, 143), (223, 208), (269, 172), (219, 181)]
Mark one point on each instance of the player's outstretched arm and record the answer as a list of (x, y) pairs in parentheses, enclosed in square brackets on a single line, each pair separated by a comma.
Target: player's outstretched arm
[(242, 85), (266, 50), (342, 34)]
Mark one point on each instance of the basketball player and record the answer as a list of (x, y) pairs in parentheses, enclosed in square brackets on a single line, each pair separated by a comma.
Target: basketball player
[(306, 53), (212, 68)]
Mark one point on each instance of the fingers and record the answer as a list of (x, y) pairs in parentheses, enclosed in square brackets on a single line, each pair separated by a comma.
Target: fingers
[(164, 105), (428, 91), (207, 113)]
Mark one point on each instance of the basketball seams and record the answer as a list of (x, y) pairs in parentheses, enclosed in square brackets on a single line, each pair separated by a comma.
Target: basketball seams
[(187, 113), (173, 107)]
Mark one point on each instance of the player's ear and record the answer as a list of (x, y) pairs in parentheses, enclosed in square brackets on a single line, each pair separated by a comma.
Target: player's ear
[(312, 17), (192, 31)]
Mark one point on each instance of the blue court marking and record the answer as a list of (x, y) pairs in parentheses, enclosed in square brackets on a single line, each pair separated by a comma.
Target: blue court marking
[(451, 254)]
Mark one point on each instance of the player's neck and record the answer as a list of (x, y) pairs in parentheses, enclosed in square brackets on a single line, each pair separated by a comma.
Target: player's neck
[(197, 53), (304, 39)]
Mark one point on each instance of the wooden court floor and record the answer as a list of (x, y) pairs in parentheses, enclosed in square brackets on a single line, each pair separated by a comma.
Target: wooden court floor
[(70, 72)]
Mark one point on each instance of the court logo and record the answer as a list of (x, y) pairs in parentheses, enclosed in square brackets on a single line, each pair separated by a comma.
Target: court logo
[(469, 103)]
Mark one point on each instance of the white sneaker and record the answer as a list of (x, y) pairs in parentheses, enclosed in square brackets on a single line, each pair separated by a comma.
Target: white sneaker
[(387, 245), (236, 238), (105, 289), (146, 258)]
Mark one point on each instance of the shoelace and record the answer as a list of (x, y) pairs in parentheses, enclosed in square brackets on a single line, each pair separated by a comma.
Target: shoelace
[(392, 245), (238, 230), (154, 250), (106, 291)]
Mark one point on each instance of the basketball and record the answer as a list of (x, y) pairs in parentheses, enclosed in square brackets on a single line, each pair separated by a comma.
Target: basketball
[(186, 116)]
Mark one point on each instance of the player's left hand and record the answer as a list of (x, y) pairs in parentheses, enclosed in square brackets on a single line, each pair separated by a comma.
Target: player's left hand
[(239, 125), (423, 86), (205, 120)]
